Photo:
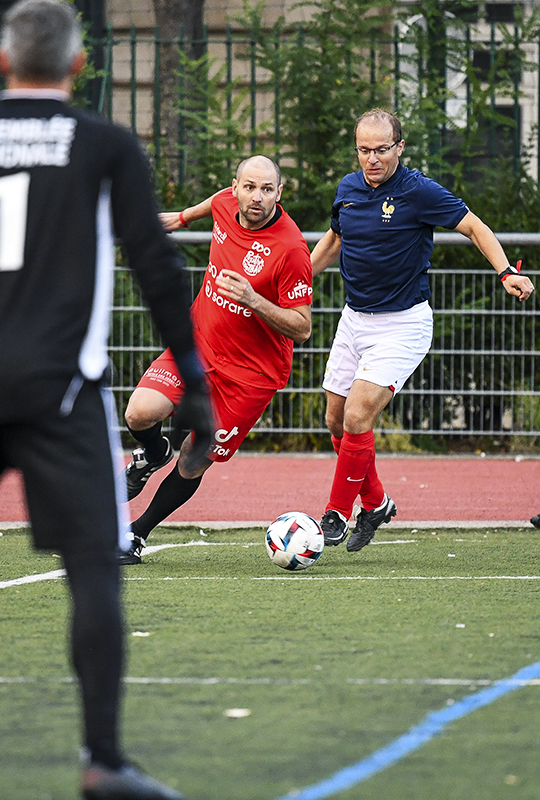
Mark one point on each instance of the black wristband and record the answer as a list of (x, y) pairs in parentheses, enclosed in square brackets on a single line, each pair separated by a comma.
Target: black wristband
[(510, 270)]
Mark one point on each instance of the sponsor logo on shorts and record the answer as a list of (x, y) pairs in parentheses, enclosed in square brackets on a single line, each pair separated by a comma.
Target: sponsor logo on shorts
[(223, 436), (387, 210), (300, 291), (355, 480), (221, 451), (164, 376)]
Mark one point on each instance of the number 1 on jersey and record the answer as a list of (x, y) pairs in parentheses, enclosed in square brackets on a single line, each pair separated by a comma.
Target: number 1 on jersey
[(13, 207)]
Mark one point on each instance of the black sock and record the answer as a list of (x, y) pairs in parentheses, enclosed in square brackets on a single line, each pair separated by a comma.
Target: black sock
[(103, 754), (172, 493), (97, 649), (155, 445)]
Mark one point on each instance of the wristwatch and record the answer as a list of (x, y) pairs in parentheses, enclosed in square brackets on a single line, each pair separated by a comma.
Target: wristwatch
[(510, 270)]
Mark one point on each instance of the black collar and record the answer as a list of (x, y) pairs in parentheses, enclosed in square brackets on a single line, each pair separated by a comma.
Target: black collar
[(274, 219)]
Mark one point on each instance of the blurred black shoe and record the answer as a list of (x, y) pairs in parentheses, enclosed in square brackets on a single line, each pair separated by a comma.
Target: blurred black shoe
[(126, 783), (133, 555)]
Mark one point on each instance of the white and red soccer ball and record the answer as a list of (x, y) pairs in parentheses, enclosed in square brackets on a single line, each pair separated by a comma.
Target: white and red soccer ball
[(294, 541)]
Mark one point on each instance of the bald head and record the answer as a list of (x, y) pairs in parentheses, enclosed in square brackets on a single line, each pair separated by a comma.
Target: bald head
[(257, 187), (259, 162)]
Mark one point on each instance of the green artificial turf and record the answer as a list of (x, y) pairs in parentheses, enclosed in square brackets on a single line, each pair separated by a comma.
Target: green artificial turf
[(333, 663)]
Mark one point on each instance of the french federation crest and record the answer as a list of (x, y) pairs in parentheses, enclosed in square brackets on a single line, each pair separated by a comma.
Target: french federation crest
[(387, 209), (252, 263)]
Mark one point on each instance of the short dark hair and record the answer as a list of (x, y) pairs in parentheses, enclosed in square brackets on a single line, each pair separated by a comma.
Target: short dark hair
[(380, 115), (41, 38)]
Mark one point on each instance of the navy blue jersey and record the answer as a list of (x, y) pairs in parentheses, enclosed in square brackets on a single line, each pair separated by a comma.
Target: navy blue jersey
[(387, 237)]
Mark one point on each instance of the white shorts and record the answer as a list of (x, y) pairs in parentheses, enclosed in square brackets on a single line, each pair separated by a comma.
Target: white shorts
[(380, 348)]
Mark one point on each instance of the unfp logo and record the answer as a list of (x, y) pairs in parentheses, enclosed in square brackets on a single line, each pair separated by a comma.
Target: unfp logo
[(387, 210)]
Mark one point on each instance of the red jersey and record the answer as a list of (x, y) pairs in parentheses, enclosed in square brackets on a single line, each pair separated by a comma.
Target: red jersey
[(276, 261)]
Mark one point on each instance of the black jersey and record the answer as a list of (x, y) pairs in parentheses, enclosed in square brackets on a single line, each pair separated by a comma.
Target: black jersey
[(70, 182)]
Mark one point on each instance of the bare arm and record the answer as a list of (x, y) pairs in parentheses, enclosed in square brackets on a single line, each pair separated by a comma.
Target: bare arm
[(171, 219), (292, 322), (326, 251), (485, 240)]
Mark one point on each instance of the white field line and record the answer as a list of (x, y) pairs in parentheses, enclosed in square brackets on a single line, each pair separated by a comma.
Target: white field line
[(303, 577), (397, 578), (60, 573), (198, 543), (43, 576), (202, 543), (192, 681)]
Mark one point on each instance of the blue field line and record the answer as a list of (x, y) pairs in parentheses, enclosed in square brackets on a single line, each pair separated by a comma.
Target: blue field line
[(433, 724)]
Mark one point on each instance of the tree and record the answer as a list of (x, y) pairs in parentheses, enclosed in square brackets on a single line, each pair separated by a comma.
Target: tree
[(180, 24)]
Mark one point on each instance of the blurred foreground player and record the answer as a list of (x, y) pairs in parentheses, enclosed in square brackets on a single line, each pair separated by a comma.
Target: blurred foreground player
[(65, 178), (254, 303)]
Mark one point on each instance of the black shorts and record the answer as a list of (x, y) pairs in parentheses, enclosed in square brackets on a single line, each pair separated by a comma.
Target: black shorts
[(71, 474)]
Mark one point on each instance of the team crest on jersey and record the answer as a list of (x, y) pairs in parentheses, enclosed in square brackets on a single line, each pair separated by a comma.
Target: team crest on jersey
[(387, 210), (252, 263)]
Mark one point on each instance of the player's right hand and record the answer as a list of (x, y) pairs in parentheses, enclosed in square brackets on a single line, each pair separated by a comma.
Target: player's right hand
[(519, 285), (195, 413), (170, 220)]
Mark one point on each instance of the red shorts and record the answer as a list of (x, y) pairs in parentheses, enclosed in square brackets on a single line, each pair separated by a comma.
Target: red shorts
[(237, 407)]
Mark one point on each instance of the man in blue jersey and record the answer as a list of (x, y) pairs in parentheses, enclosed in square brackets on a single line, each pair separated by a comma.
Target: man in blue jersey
[(381, 230)]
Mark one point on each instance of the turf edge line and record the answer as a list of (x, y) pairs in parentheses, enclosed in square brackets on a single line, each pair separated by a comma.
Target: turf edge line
[(433, 724), (153, 681)]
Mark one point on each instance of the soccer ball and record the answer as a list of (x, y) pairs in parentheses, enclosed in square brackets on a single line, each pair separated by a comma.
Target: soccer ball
[(294, 541)]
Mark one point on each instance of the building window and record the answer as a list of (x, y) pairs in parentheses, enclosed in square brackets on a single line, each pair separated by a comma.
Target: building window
[(501, 12)]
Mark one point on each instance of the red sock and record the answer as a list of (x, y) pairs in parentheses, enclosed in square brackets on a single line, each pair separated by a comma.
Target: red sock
[(356, 455), (336, 443), (371, 492)]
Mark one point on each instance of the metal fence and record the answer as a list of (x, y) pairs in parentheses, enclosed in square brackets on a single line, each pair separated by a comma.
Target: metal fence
[(130, 87), (481, 377)]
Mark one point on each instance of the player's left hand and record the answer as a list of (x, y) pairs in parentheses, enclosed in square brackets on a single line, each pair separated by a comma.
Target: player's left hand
[(519, 285), (234, 286), (195, 412)]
